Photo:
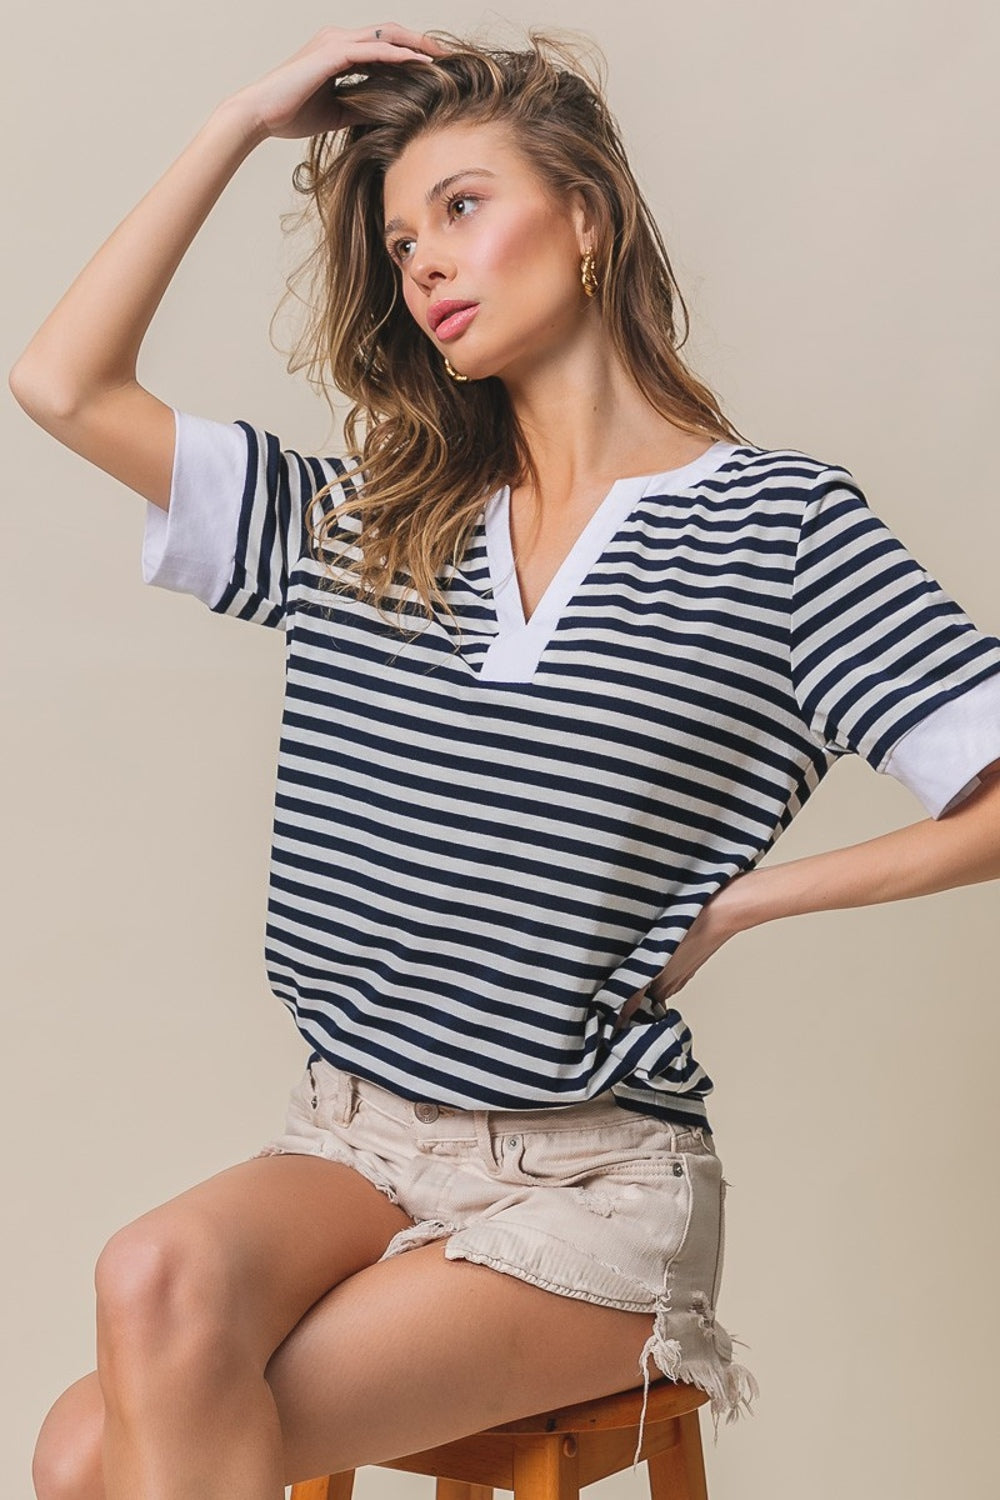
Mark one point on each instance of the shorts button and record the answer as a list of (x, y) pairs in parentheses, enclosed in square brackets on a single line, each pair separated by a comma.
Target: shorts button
[(512, 1140), (426, 1112), (678, 1169)]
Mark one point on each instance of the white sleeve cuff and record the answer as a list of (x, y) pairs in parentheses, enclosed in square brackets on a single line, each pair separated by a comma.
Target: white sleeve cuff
[(938, 758), (190, 547)]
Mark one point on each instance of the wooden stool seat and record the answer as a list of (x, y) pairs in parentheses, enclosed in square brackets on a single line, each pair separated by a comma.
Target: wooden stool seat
[(554, 1454)]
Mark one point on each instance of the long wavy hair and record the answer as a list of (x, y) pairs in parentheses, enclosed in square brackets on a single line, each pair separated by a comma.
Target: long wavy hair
[(432, 450)]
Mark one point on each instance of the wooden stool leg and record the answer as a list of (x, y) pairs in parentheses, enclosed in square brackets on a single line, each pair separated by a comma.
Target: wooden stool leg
[(546, 1467), (457, 1489), (330, 1487), (678, 1473)]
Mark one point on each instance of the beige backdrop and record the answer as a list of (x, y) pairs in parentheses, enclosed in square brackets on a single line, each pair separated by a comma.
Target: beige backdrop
[(825, 178)]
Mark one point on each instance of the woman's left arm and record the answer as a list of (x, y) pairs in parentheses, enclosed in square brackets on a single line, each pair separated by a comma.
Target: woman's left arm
[(880, 658), (961, 847)]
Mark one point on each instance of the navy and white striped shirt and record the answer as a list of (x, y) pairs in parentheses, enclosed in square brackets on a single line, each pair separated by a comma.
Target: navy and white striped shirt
[(479, 854)]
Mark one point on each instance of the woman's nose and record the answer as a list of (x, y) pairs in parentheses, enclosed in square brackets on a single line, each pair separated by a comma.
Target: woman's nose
[(431, 264)]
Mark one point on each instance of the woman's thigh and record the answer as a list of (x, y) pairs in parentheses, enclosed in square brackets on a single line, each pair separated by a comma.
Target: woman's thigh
[(419, 1350)]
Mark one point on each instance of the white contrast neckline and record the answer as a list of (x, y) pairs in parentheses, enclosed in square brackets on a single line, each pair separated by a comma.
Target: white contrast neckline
[(516, 650)]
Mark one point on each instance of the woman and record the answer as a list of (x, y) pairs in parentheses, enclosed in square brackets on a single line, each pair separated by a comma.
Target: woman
[(565, 655)]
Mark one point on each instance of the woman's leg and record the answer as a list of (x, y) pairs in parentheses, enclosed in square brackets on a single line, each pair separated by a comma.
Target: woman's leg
[(193, 1298), (67, 1462), (399, 1357)]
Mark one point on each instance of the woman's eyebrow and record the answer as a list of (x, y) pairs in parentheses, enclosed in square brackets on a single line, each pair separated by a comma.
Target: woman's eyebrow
[(441, 187)]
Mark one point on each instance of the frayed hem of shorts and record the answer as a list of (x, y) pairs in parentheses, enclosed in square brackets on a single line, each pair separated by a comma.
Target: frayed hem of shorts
[(459, 1251), (730, 1386), (422, 1232), (274, 1149)]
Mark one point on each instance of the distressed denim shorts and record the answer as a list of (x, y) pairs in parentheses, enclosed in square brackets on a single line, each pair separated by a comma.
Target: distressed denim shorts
[(588, 1200)]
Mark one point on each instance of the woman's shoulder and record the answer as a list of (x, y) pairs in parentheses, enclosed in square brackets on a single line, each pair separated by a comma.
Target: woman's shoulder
[(753, 477), (749, 461)]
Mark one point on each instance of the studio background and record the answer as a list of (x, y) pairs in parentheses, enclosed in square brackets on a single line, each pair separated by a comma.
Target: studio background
[(825, 180)]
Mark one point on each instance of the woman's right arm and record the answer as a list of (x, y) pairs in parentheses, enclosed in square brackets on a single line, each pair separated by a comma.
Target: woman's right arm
[(77, 376)]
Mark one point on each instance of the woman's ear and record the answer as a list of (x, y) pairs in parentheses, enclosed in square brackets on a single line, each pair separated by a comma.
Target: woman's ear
[(583, 222)]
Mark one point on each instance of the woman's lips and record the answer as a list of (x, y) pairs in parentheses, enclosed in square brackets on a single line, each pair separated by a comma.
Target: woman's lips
[(449, 328)]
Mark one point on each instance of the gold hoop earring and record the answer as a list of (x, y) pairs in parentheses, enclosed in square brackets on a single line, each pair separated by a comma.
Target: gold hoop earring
[(587, 274), (452, 372)]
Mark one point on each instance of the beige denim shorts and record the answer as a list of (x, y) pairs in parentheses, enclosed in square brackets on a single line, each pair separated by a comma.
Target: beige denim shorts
[(587, 1200)]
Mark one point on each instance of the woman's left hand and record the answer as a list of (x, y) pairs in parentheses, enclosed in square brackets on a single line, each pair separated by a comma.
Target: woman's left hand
[(714, 925), (710, 929)]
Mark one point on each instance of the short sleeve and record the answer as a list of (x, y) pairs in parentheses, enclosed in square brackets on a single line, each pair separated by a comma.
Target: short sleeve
[(237, 520), (885, 664)]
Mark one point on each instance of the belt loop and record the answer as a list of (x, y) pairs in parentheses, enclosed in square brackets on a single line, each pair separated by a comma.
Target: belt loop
[(340, 1092), (481, 1119)]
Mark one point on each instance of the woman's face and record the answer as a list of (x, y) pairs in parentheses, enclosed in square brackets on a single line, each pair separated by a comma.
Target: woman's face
[(468, 220)]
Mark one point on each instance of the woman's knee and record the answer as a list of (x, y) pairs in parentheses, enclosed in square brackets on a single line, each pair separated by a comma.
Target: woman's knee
[(169, 1281), (66, 1464)]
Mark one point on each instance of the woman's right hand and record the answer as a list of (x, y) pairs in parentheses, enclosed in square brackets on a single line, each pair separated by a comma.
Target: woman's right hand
[(298, 97)]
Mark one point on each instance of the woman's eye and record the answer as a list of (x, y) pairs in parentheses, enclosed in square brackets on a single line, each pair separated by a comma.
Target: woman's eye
[(397, 250), (461, 198)]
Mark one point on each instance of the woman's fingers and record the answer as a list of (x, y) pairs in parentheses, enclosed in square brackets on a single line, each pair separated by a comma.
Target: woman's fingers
[(392, 31), (293, 100)]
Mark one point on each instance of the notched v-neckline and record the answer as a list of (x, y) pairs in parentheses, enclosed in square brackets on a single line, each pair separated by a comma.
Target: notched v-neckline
[(516, 649)]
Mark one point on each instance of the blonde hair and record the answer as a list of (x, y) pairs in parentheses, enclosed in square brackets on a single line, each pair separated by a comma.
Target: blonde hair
[(433, 450)]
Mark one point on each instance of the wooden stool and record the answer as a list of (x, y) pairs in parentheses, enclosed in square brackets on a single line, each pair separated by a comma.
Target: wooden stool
[(553, 1455)]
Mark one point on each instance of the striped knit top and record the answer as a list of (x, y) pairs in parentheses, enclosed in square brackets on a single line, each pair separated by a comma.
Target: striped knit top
[(488, 837)]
